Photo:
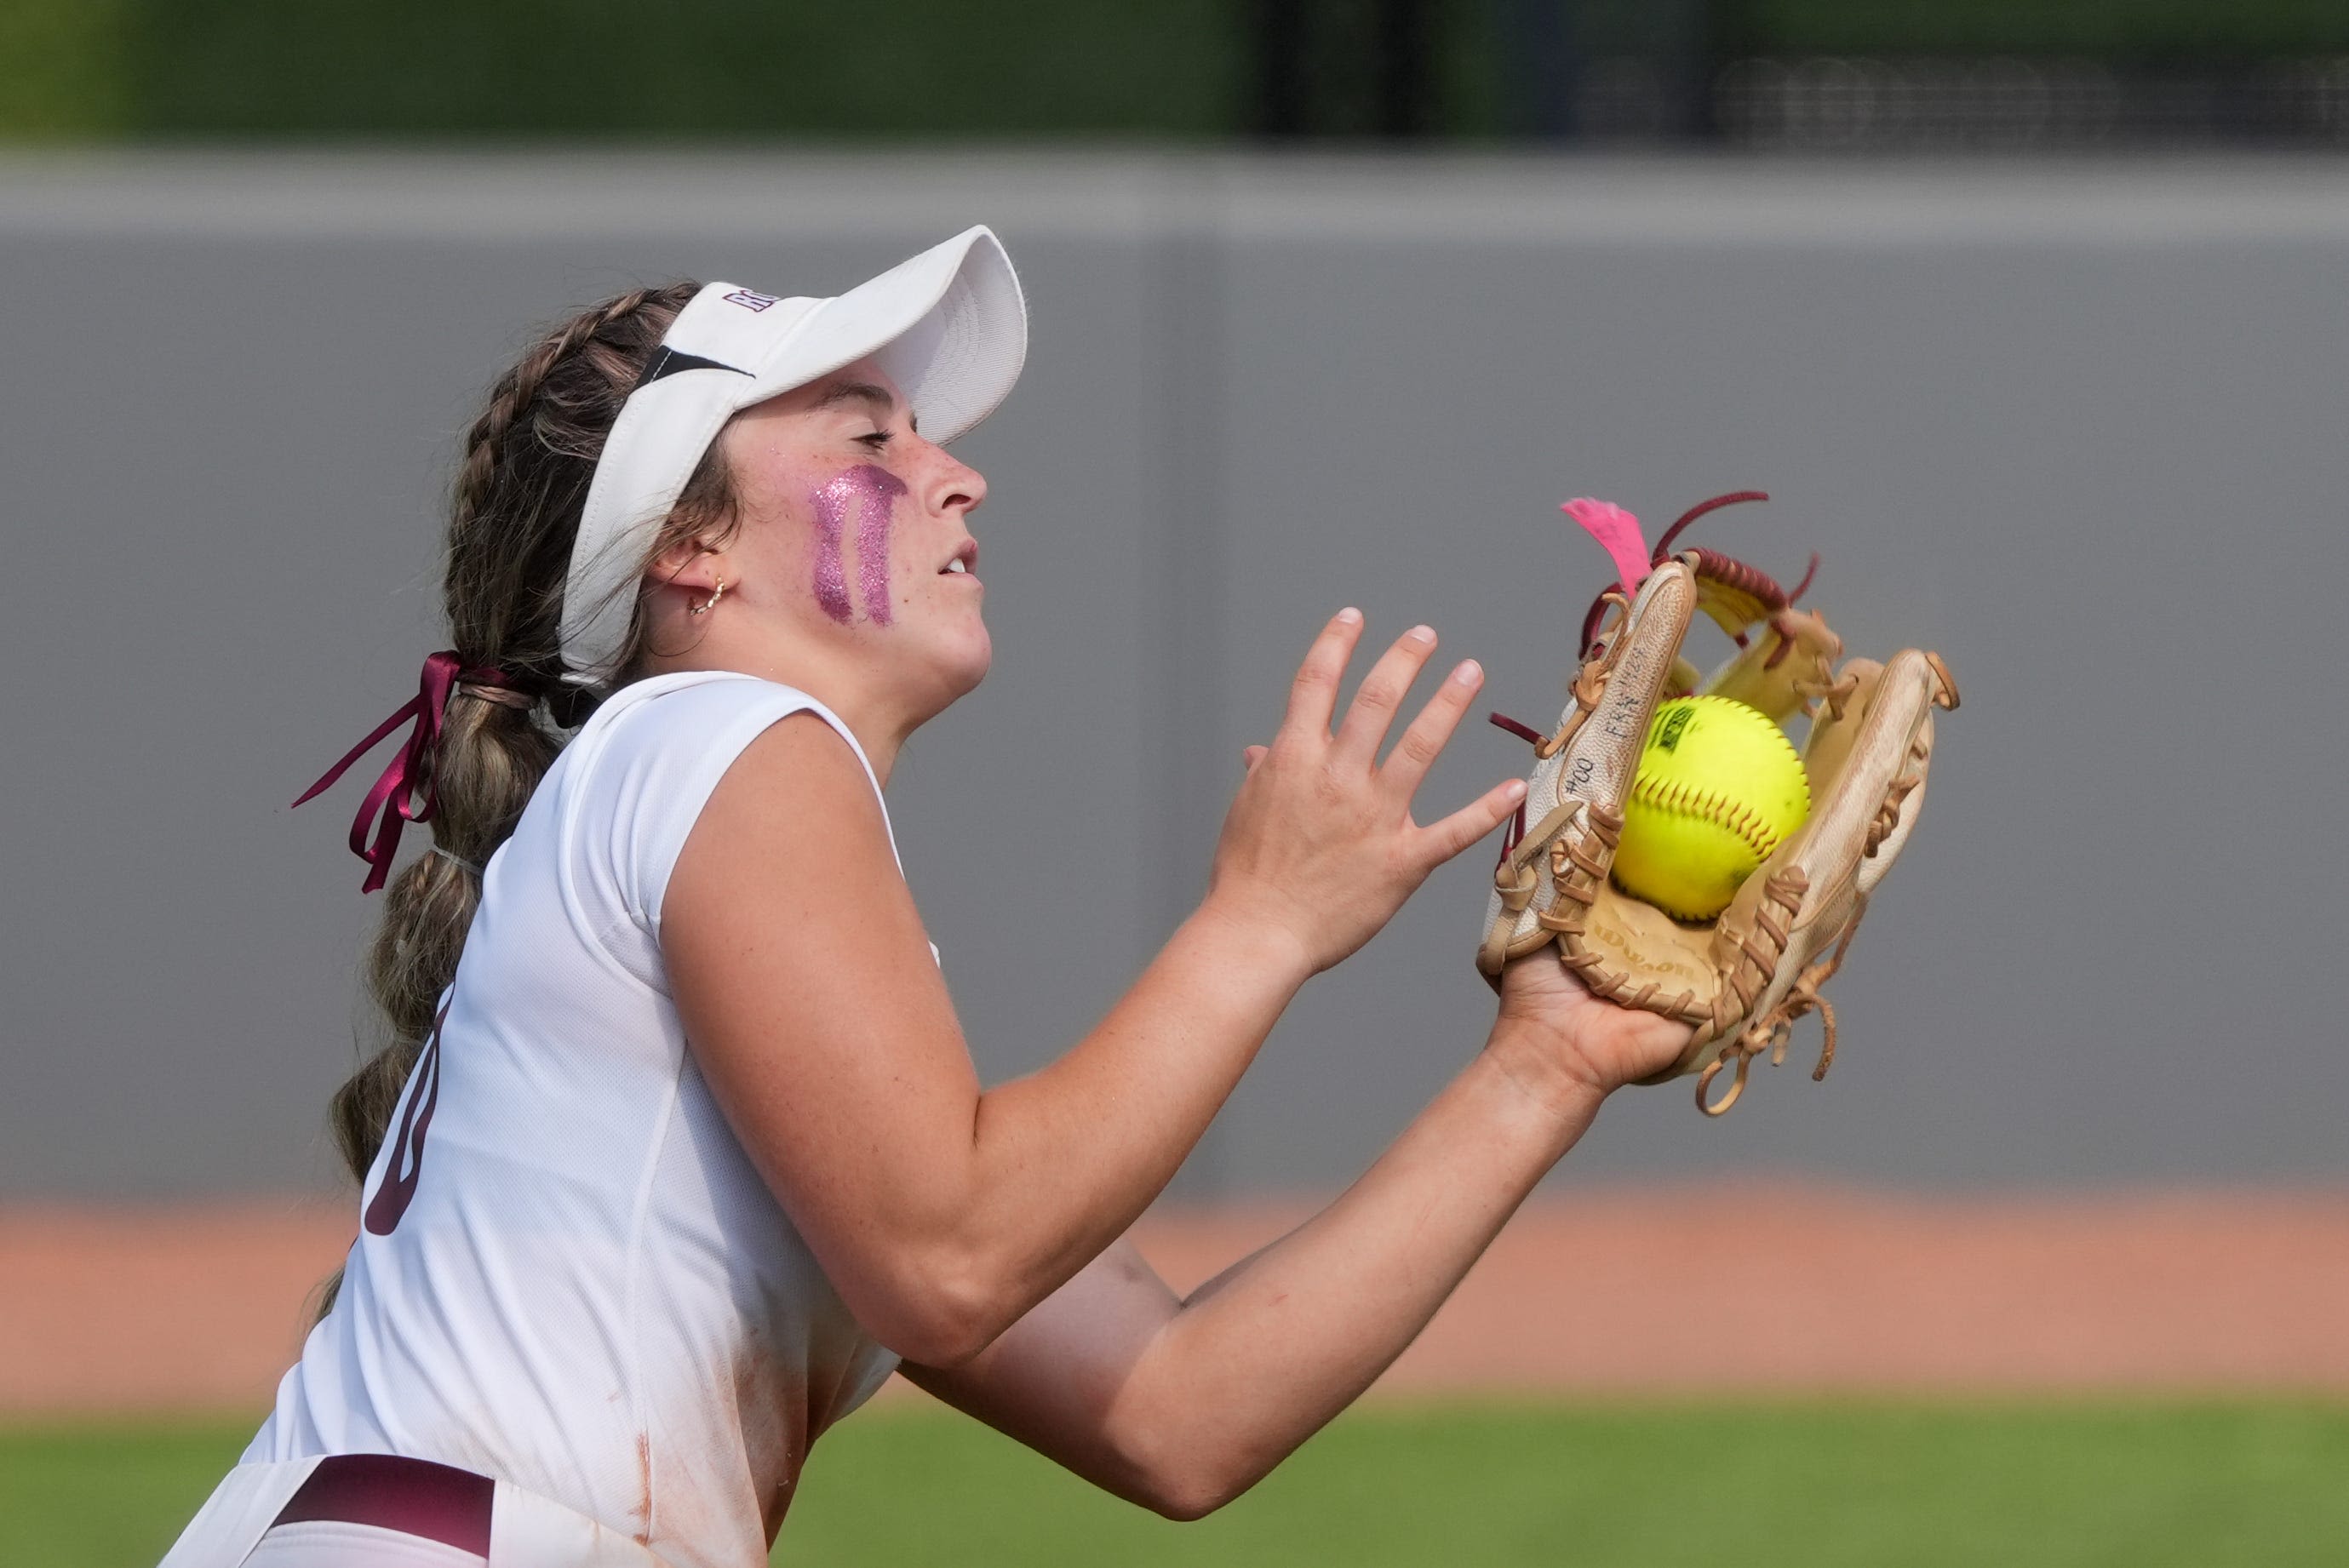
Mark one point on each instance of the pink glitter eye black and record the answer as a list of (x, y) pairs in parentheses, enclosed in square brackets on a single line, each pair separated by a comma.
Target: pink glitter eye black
[(874, 493)]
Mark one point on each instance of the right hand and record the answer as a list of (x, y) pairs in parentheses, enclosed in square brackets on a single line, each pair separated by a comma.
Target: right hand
[(1319, 847), (1558, 1032)]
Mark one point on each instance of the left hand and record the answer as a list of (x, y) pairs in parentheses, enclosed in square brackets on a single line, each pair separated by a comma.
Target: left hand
[(1319, 848), (1547, 1011)]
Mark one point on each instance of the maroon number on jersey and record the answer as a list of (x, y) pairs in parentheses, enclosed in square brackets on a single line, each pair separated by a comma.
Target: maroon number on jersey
[(399, 1188)]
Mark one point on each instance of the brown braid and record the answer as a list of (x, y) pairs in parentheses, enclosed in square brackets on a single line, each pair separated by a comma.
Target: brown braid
[(519, 489)]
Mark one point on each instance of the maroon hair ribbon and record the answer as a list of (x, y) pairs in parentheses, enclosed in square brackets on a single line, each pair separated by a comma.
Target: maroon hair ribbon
[(405, 791)]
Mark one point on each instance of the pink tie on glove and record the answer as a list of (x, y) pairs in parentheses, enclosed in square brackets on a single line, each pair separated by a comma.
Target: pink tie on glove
[(1618, 531)]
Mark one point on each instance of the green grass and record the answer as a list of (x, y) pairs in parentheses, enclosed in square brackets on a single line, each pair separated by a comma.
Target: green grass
[(112, 1494), (1815, 1485)]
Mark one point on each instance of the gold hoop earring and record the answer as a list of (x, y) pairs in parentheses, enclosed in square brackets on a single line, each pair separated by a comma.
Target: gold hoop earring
[(703, 608)]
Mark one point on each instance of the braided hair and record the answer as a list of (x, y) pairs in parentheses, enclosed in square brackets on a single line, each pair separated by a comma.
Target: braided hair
[(521, 487)]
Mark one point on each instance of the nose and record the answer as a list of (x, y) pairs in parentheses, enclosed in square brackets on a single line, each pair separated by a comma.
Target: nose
[(955, 486)]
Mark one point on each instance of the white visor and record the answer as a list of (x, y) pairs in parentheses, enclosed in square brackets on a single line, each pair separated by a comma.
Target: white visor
[(949, 326)]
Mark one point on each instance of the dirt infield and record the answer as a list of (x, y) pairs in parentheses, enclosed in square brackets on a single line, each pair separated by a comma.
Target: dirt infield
[(1756, 1290)]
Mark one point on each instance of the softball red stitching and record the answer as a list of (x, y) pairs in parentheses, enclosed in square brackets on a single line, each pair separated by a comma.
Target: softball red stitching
[(1709, 807)]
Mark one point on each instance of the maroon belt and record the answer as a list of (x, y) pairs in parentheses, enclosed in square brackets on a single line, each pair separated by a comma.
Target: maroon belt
[(439, 1503)]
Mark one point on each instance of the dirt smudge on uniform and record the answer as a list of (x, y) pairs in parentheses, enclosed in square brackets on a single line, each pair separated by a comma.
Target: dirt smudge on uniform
[(772, 1435), (643, 1512)]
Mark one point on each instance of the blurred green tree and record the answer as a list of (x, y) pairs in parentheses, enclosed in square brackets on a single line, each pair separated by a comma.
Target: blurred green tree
[(1018, 69), (575, 69), (62, 69)]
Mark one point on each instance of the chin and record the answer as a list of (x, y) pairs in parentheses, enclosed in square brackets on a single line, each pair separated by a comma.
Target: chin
[(953, 662), (969, 663)]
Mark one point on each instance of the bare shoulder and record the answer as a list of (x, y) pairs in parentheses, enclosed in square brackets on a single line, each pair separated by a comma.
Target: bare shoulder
[(798, 767), (786, 902), (795, 810)]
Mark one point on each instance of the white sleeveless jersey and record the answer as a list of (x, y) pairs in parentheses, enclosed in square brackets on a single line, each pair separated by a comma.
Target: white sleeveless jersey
[(568, 1274)]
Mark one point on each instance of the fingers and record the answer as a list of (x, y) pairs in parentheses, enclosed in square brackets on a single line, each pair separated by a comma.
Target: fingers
[(1382, 691), (1432, 730), (1449, 837), (1313, 695)]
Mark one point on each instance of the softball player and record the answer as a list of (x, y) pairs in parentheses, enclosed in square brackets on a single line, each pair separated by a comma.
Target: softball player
[(677, 1150)]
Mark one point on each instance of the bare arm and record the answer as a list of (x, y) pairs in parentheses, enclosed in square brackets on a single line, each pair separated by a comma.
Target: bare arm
[(1182, 1405), (942, 1214)]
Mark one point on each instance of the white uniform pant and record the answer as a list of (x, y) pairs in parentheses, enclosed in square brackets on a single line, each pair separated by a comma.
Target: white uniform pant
[(526, 1531), (333, 1543)]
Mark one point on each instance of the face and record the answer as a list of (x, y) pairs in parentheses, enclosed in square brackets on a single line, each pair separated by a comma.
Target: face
[(854, 555)]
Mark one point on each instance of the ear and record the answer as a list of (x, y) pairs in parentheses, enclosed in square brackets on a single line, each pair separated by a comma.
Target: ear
[(690, 564)]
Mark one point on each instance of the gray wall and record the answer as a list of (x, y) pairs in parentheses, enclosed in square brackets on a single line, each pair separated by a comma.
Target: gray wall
[(2077, 427)]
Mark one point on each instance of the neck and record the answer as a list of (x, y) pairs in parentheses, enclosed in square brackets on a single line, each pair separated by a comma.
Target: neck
[(879, 731), (880, 720)]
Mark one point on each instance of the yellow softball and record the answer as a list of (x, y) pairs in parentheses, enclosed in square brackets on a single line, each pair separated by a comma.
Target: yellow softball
[(1718, 788)]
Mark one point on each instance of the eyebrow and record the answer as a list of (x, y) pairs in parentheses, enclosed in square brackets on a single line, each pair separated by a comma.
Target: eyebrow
[(883, 403)]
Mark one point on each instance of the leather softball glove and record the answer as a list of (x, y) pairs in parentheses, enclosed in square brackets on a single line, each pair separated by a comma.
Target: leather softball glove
[(1742, 978)]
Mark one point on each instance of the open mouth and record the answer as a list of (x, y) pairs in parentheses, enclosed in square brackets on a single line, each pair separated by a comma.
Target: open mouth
[(965, 561)]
